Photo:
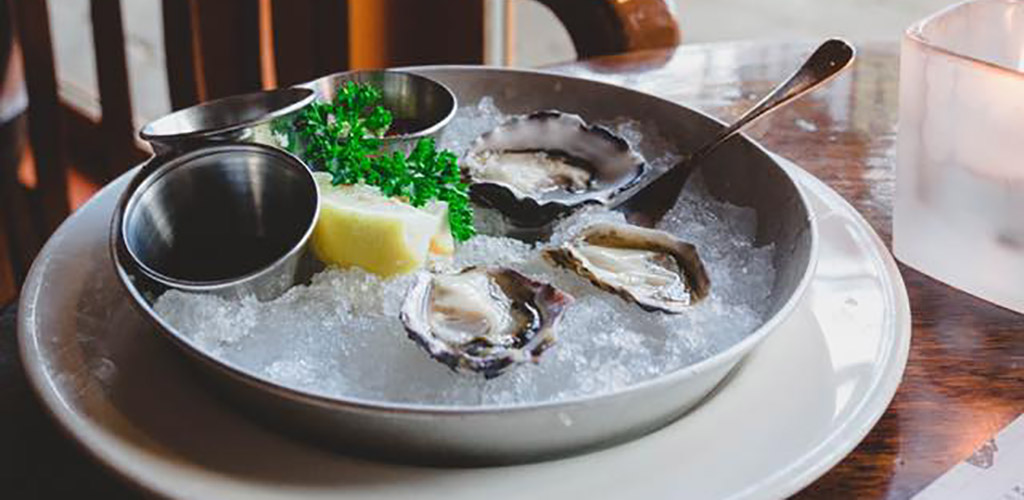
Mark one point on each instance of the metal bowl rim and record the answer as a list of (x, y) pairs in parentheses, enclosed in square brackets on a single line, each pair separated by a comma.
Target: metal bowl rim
[(432, 129), (162, 166), (425, 410), (299, 101)]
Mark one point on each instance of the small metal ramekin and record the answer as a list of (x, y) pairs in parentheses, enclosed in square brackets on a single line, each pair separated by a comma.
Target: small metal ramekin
[(230, 219), (420, 106), (255, 117)]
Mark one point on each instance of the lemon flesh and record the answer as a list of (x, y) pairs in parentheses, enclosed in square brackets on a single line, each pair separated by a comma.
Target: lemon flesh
[(359, 226)]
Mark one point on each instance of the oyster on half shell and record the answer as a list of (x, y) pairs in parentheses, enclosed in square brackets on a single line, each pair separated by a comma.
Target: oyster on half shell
[(536, 167), (651, 268), (482, 319)]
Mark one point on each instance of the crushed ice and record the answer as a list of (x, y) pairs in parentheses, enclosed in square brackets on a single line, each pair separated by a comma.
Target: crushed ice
[(341, 336)]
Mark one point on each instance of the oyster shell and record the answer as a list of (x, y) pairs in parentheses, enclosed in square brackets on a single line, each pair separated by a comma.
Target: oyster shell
[(536, 167), (482, 319), (652, 268)]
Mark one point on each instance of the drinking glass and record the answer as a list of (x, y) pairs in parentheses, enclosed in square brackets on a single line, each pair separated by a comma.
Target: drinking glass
[(959, 209)]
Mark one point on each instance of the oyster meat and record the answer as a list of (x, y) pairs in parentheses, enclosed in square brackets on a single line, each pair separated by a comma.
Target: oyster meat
[(482, 319), (651, 268), (536, 167)]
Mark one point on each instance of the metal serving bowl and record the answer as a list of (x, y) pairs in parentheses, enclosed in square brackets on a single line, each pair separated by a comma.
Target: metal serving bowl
[(420, 106), (741, 173), (231, 220), (253, 117)]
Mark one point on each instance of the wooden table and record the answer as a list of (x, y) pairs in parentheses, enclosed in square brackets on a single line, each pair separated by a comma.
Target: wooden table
[(965, 377)]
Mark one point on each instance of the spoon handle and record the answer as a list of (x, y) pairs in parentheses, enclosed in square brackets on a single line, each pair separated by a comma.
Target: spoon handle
[(827, 61), (648, 204)]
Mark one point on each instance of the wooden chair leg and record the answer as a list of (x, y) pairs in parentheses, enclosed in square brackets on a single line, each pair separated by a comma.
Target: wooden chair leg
[(26, 237), (21, 223), (8, 288)]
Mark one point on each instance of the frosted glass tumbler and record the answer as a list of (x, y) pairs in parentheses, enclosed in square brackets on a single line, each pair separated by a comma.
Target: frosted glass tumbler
[(959, 210)]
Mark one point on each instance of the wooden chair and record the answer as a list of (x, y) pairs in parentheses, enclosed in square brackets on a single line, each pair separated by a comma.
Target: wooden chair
[(213, 50)]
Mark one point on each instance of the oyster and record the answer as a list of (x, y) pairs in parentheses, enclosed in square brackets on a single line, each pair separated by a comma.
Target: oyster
[(482, 319), (536, 167), (652, 268)]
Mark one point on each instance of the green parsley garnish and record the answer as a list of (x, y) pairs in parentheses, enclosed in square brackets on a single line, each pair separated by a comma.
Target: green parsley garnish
[(343, 138)]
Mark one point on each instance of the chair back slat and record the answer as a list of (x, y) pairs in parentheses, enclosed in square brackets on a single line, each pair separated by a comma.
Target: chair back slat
[(46, 131), (310, 39), (117, 127), (227, 56), (402, 32), (178, 49), (212, 49)]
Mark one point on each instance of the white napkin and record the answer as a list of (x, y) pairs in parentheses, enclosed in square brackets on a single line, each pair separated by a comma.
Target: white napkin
[(995, 470)]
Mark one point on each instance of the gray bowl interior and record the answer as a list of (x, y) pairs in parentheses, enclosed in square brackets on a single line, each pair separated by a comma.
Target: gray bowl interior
[(740, 173), (201, 218)]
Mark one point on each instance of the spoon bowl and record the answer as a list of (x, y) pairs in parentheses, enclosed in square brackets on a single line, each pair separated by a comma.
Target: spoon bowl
[(647, 205)]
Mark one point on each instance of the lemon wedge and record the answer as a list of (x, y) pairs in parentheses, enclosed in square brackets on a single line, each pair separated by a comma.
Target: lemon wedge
[(359, 226)]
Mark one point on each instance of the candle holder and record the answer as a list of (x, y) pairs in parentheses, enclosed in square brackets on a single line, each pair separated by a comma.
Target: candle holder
[(959, 210)]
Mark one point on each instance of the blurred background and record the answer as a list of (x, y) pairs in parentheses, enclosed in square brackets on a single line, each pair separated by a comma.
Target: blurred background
[(523, 33)]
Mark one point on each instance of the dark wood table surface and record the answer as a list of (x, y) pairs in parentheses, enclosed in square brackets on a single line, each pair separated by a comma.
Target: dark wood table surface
[(965, 377)]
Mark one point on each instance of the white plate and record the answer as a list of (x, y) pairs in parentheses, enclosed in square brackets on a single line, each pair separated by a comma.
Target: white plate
[(794, 408)]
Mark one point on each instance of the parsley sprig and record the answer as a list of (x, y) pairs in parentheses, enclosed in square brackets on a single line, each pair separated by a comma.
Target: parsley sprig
[(343, 137)]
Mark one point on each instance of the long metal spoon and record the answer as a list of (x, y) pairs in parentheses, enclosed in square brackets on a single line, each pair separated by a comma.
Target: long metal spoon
[(647, 205)]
